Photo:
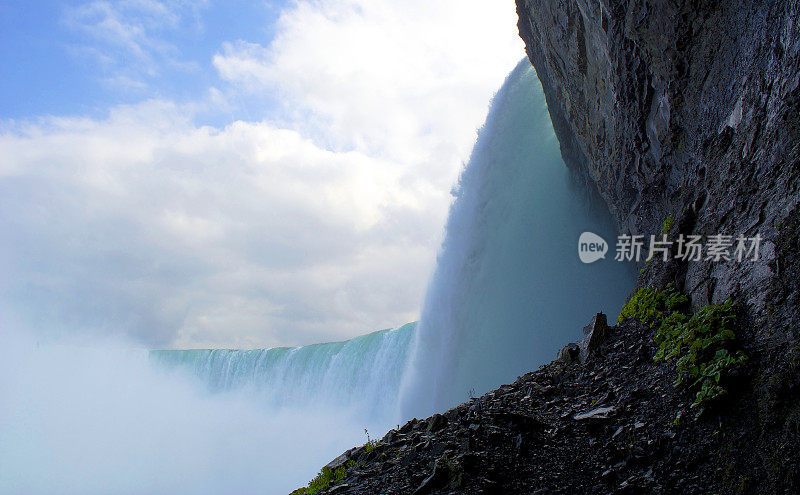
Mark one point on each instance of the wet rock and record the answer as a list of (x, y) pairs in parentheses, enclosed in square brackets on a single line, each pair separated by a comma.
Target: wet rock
[(408, 426), (596, 333), (437, 479), (391, 436), (436, 423), (569, 353), (519, 422), (600, 413)]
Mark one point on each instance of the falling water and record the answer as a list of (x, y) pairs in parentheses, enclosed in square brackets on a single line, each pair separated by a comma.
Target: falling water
[(509, 289)]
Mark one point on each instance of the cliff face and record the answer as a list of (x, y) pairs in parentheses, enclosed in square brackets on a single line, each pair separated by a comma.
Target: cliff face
[(686, 110)]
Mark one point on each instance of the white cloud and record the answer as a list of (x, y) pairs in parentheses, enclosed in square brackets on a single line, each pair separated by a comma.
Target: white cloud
[(409, 79), (247, 235), (126, 37), (318, 222)]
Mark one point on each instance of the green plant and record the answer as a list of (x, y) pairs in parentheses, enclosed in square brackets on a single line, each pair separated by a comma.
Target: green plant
[(702, 349), (649, 305), (701, 345), (667, 225), (325, 478), (371, 444)]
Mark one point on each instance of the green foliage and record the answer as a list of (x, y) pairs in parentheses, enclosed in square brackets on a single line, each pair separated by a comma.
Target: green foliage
[(702, 349), (702, 346), (454, 470), (649, 305), (371, 444), (667, 225), (325, 478)]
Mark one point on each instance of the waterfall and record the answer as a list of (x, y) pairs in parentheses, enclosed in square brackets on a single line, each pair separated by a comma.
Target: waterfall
[(509, 290), (361, 374)]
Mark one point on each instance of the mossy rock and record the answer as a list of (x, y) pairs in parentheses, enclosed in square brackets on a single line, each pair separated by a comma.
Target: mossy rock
[(701, 345)]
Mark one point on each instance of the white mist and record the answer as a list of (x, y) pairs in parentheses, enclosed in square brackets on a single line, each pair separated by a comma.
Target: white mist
[(101, 420)]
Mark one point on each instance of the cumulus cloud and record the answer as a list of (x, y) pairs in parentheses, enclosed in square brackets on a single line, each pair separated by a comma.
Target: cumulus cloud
[(318, 221), (409, 79)]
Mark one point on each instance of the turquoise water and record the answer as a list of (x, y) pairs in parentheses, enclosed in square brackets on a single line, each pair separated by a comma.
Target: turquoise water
[(509, 289), (359, 374)]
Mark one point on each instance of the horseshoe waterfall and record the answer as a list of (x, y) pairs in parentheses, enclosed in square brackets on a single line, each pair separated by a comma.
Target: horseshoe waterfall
[(507, 292)]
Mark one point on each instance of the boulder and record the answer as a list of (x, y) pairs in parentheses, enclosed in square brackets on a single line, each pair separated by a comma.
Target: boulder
[(596, 332), (436, 423), (437, 479), (569, 353)]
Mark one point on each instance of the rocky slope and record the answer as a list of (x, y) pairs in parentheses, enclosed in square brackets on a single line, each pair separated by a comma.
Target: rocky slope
[(684, 116), (612, 424)]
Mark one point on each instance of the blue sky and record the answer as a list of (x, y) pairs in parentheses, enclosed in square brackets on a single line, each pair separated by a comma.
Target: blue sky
[(83, 57), (234, 174)]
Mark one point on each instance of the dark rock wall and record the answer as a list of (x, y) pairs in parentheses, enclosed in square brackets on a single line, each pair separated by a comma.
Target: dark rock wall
[(681, 109)]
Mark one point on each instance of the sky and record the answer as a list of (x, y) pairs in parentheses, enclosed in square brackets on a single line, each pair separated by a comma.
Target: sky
[(234, 173)]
